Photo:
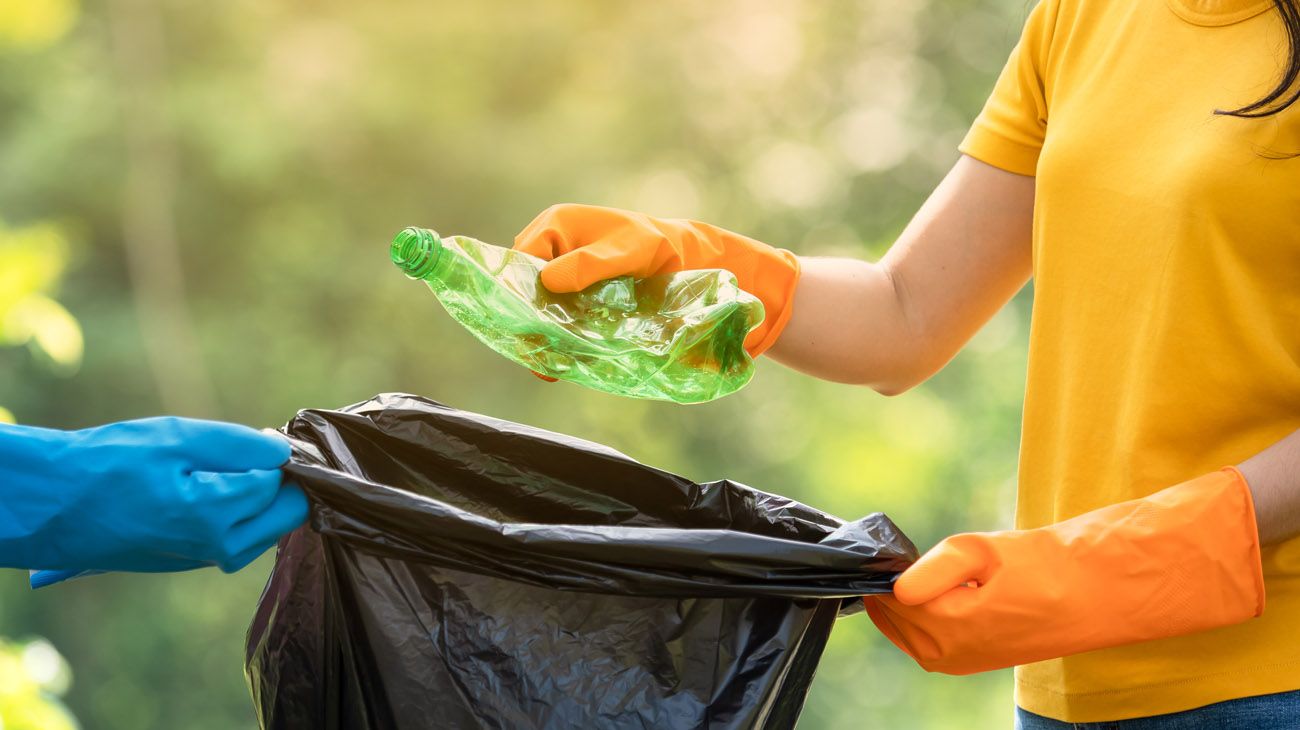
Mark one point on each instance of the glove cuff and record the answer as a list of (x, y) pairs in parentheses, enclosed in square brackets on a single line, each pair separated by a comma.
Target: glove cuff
[(776, 291), (1202, 535), (1251, 527)]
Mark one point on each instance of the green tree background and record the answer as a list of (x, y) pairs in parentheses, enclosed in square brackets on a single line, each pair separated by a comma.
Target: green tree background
[(224, 177)]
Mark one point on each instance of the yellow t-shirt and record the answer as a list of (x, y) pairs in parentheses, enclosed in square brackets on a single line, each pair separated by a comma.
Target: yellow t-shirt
[(1165, 339)]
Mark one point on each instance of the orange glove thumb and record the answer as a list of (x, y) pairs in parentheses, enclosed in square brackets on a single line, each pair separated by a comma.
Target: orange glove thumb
[(582, 267), (590, 243), (952, 564)]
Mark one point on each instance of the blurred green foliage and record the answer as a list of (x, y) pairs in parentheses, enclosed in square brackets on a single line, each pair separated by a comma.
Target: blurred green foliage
[(227, 175), (32, 260), (32, 676)]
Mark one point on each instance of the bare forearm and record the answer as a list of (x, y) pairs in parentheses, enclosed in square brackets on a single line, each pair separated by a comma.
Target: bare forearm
[(850, 326), (892, 324), (1274, 478)]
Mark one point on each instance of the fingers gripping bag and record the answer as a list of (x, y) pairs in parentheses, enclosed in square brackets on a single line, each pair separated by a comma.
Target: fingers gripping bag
[(461, 571)]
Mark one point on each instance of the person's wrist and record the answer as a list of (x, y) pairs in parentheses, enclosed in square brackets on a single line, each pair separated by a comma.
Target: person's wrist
[(1260, 499)]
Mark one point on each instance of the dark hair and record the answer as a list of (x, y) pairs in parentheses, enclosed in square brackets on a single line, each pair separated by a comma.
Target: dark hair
[(1287, 90)]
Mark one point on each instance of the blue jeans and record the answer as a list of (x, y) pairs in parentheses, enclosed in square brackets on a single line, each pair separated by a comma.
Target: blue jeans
[(1266, 712)]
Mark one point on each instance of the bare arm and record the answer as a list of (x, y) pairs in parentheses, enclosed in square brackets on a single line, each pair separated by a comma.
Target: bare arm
[(1274, 478), (892, 324)]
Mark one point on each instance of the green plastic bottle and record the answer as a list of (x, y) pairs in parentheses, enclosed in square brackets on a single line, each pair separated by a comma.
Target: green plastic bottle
[(677, 337)]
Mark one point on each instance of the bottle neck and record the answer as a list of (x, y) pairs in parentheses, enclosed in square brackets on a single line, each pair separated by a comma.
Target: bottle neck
[(416, 251)]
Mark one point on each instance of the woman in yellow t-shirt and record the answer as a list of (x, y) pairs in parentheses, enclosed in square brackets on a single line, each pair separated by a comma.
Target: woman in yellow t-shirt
[(1137, 159)]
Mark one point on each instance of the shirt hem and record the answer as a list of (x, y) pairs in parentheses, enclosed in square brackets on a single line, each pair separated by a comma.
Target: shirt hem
[(1127, 703)]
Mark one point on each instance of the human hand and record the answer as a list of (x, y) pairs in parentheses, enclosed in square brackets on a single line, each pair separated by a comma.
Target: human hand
[(586, 244), (1182, 560), (152, 495)]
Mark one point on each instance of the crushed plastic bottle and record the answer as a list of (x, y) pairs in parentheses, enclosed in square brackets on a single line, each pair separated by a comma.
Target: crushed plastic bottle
[(677, 337)]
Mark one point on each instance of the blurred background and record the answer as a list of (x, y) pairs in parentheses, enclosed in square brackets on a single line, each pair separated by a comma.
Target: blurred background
[(195, 207)]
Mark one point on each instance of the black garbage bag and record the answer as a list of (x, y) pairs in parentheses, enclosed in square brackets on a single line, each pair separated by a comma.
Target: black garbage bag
[(462, 571)]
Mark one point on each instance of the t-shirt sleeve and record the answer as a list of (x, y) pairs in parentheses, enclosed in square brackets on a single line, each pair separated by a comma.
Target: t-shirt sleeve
[(1009, 132)]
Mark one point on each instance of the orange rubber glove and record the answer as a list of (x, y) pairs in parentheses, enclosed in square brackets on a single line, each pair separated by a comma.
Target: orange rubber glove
[(589, 244), (1182, 560)]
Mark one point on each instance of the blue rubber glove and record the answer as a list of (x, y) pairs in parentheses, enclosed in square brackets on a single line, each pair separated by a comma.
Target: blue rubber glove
[(154, 495), (42, 578)]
